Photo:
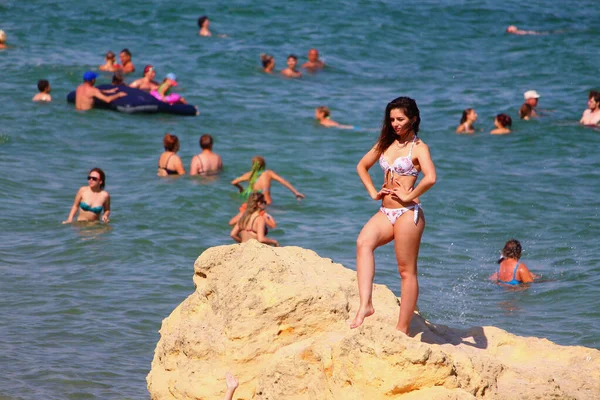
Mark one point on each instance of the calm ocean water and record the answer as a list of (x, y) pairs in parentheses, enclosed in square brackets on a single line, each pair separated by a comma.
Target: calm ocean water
[(81, 306)]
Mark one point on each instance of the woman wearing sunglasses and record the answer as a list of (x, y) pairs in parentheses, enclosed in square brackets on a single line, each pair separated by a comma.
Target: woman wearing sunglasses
[(91, 200)]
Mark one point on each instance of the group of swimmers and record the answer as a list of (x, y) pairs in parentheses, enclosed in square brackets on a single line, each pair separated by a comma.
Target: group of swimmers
[(503, 122), (313, 64)]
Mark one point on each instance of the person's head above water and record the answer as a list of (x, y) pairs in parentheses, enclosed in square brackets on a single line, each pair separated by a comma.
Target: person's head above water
[(594, 100), (90, 76), (110, 56), (531, 97), (292, 61), (412, 120), (117, 78), (149, 71), (258, 163), (511, 29), (43, 85), (313, 55), (468, 114), (206, 142), (504, 120), (171, 143), (125, 56), (202, 21), (267, 60), (525, 111), (512, 249), (2, 36), (101, 175), (322, 112)]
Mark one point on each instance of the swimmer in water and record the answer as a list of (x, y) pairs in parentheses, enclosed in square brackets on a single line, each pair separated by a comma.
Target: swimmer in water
[(291, 71), (44, 94), (252, 224), (503, 123), (164, 89), (402, 156), (91, 200), (268, 63), (3, 40), (259, 180), (511, 271), (109, 65), (117, 79), (146, 83), (169, 162), (525, 112), (126, 64), (203, 24), (323, 116), (86, 92), (314, 63), (469, 116), (513, 30), (591, 116), (207, 162), (531, 98)]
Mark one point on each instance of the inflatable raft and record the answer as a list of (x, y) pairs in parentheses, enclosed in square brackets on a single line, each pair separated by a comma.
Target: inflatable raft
[(138, 101)]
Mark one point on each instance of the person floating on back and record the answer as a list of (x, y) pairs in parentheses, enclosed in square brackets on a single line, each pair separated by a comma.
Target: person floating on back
[(86, 93), (207, 162), (591, 116), (44, 94), (323, 116), (291, 71), (469, 116), (511, 271), (502, 122)]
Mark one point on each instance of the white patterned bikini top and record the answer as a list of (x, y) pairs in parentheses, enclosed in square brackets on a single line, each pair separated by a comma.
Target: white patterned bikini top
[(402, 166)]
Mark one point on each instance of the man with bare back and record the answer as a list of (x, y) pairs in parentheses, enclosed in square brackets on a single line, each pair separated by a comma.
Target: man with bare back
[(86, 92)]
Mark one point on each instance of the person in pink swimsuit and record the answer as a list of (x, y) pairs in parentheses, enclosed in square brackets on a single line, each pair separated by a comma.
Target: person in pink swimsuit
[(402, 156)]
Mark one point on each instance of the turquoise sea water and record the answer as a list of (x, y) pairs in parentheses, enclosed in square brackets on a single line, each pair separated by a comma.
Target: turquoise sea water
[(80, 307)]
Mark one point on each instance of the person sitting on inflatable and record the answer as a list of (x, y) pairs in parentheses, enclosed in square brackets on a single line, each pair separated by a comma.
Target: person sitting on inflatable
[(162, 93)]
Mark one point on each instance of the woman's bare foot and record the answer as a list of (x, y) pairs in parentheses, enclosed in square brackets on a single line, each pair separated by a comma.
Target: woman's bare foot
[(361, 314)]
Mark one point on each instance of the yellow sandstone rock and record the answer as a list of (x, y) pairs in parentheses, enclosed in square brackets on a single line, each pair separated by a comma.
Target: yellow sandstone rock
[(277, 318)]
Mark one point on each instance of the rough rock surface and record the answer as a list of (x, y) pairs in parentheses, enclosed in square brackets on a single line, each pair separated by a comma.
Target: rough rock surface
[(277, 318)]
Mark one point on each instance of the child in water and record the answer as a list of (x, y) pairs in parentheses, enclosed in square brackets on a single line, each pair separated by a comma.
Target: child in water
[(511, 271), (44, 94), (162, 93)]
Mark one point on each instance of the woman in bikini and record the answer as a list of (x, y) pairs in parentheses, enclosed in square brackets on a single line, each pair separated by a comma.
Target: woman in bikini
[(469, 116), (259, 180), (169, 162), (402, 156), (252, 224), (91, 200)]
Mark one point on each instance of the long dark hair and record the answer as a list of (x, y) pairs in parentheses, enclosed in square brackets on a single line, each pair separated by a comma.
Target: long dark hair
[(465, 115), (388, 135)]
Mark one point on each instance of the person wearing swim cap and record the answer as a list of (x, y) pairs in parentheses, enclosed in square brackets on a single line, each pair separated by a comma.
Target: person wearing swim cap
[(126, 64), (3, 39), (86, 93), (147, 82)]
